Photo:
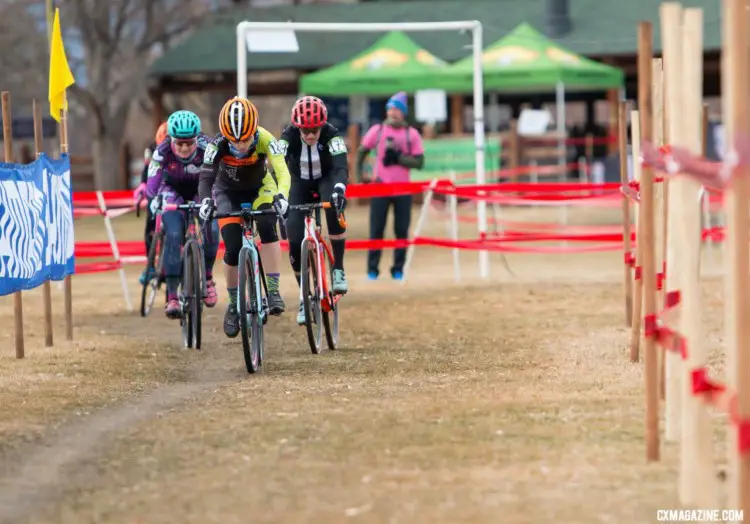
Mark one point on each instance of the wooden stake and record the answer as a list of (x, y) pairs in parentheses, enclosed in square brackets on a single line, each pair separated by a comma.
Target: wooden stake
[(657, 78), (46, 288), (635, 331), (671, 36), (736, 105), (622, 136), (698, 485), (17, 296), (68, 282), (651, 358)]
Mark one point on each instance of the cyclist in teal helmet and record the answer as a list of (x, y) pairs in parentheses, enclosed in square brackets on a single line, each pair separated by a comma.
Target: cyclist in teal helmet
[(173, 176)]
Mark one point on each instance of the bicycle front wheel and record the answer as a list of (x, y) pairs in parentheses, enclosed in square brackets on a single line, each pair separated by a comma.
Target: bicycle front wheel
[(153, 275), (311, 297), (250, 308), (195, 295)]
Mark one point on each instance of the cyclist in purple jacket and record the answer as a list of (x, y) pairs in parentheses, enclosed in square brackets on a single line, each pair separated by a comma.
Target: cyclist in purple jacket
[(173, 175)]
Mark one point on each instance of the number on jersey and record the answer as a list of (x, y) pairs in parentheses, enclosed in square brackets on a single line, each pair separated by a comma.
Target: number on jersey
[(277, 148), (337, 146), (210, 154)]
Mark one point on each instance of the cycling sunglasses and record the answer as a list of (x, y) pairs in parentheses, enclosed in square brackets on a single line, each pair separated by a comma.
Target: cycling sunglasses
[(310, 131), (184, 142)]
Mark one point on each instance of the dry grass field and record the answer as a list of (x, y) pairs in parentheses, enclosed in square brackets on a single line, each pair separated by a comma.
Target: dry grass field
[(509, 400)]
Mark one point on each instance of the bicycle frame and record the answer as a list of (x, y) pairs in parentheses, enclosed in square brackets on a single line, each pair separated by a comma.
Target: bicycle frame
[(248, 234), (192, 232), (314, 237)]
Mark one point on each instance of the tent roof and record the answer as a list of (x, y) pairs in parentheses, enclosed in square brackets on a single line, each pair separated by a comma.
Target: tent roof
[(390, 64), (526, 59)]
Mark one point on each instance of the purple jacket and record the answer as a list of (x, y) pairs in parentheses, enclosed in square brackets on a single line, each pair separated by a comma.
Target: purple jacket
[(168, 173)]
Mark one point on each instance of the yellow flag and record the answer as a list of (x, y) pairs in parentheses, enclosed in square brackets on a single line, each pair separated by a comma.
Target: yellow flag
[(60, 77)]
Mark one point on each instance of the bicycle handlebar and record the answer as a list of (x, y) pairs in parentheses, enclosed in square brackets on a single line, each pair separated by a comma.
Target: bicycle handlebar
[(307, 208), (190, 206), (245, 212), (138, 206)]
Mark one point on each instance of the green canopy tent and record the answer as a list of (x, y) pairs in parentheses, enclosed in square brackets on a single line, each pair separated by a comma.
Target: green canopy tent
[(526, 60), (394, 63)]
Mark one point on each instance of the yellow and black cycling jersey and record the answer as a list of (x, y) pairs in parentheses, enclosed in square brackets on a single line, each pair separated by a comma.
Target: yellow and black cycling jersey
[(227, 171)]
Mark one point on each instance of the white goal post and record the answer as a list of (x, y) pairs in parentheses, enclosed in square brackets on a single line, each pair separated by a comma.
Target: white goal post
[(243, 28)]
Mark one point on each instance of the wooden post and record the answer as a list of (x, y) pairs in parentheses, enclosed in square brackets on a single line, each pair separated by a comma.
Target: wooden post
[(657, 77), (635, 331), (645, 100), (622, 137), (736, 104), (46, 288), (671, 24), (698, 486), (17, 296), (68, 283)]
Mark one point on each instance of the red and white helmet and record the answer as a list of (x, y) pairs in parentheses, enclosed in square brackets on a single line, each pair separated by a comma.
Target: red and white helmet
[(309, 112)]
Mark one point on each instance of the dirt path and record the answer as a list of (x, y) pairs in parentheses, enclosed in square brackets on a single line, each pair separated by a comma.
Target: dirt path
[(34, 476)]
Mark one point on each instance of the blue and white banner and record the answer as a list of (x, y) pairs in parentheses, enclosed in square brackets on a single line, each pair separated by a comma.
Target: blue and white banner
[(36, 223)]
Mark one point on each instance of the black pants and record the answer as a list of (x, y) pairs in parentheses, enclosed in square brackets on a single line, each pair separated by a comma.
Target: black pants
[(150, 225), (401, 220)]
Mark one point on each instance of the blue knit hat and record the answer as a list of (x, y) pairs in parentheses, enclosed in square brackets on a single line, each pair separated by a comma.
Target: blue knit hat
[(398, 101)]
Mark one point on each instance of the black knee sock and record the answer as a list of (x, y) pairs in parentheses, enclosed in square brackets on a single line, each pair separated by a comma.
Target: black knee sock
[(338, 246)]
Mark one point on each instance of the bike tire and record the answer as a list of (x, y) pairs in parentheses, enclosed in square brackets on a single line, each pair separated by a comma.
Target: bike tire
[(331, 327), (184, 292), (196, 292), (150, 286), (310, 299), (247, 305)]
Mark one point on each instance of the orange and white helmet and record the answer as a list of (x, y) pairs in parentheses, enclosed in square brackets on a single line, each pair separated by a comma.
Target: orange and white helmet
[(238, 120)]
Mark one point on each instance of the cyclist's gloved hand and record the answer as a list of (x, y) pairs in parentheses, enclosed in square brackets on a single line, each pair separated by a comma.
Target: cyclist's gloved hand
[(155, 204), (281, 205), (206, 209), (140, 192), (338, 197)]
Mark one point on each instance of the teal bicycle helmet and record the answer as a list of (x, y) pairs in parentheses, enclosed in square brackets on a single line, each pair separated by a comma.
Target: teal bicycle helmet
[(183, 124)]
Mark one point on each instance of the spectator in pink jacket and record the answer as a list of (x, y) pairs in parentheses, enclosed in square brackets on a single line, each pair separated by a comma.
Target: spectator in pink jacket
[(399, 149)]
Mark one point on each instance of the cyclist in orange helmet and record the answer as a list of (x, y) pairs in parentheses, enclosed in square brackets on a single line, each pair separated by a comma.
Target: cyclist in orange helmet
[(140, 191), (234, 172)]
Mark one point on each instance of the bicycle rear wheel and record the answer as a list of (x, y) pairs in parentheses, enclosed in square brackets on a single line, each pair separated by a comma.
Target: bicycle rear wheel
[(310, 298), (153, 274), (331, 316), (250, 308)]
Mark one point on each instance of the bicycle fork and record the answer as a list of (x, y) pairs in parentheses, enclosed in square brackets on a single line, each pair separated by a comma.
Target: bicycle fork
[(257, 308)]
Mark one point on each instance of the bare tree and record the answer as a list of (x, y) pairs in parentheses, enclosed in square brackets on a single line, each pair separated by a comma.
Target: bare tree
[(22, 50), (118, 40)]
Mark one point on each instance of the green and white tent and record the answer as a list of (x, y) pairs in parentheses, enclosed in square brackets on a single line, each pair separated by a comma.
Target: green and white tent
[(526, 60), (393, 63)]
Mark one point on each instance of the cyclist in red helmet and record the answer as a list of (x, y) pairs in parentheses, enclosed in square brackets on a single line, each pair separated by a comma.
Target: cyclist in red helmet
[(316, 154)]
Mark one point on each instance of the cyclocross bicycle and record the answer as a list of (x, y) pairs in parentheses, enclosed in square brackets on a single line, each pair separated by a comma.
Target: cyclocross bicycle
[(192, 288), (154, 267), (252, 289), (319, 302)]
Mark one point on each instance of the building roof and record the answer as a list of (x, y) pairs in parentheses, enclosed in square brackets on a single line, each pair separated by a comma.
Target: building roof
[(600, 28)]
